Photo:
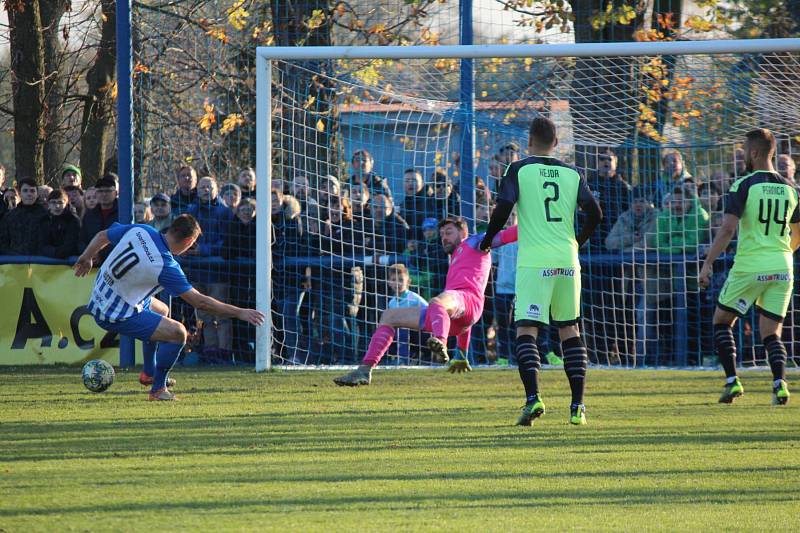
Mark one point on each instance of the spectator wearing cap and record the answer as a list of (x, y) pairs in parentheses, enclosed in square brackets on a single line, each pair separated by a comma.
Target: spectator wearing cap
[(63, 229), (186, 190), (447, 201), (362, 173), (105, 213), (71, 176), (632, 226), (246, 179), (162, 212), (215, 220), (75, 198), (231, 195), (23, 230), (417, 205)]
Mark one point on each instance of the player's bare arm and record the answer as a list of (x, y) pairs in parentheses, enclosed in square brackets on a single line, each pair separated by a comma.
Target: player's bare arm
[(795, 243), (215, 307), (84, 263), (721, 241), (500, 214)]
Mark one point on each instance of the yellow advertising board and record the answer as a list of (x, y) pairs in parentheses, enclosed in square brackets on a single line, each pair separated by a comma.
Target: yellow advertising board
[(43, 318)]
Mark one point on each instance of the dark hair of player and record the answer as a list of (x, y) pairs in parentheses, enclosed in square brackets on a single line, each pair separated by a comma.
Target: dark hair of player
[(458, 222), (763, 141), (543, 132), (30, 182), (57, 194), (105, 183), (185, 227)]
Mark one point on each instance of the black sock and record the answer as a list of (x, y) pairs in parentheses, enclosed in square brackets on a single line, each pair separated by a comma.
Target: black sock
[(776, 352), (529, 363), (575, 362), (726, 348)]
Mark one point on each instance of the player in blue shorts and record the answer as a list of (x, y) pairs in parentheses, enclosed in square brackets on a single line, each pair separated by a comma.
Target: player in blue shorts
[(141, 264)]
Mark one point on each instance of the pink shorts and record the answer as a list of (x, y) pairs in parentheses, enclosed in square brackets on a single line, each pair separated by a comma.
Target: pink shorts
[(469, 308)]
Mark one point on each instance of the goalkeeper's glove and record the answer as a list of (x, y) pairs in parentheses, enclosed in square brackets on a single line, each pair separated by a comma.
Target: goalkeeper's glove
[(459, 363)]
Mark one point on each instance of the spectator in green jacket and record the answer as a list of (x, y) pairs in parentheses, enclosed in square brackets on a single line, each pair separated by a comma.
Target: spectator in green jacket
[(681, 227)]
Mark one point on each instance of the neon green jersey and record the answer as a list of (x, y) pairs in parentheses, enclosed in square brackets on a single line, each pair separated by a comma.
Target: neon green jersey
[(765, 203), (547, 191)]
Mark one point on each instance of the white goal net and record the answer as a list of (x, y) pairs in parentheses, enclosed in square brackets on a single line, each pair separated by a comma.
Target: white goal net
[(364, 155)]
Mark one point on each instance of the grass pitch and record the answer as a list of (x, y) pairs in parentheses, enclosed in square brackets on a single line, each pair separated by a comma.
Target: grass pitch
[(417, 450)]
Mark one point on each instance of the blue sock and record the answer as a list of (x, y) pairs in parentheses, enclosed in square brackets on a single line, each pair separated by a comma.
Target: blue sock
[(166, 355), (149, 357)]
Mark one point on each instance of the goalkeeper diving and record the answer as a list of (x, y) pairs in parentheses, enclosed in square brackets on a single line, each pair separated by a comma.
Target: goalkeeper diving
[(451, 313)]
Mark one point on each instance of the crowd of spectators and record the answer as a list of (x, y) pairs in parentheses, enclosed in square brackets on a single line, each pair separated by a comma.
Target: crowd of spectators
[(345, 250)]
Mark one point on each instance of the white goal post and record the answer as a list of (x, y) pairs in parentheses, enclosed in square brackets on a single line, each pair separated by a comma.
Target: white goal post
[(265, 56)]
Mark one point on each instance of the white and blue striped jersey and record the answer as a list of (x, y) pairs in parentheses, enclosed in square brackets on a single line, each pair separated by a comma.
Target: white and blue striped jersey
[(138, 267)]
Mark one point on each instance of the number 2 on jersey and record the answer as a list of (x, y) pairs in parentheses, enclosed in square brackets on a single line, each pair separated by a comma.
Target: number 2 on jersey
[(547, 201), (768, 211)]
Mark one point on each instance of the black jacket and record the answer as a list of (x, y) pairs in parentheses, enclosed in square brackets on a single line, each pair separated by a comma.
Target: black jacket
[(289, 240), (23, 230), (180, 202), (613, 195), (62, 236), (388, 237), (450, 206), (374, 183), (240, 240), (94, 223), (416, 209)]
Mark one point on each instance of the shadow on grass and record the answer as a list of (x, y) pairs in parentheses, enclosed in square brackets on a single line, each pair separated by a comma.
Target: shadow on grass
[(308, 432), (496, 499)]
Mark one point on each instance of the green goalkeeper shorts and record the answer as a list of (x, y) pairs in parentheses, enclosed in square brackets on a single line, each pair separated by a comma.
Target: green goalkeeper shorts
[(547, 296), (770, 291)]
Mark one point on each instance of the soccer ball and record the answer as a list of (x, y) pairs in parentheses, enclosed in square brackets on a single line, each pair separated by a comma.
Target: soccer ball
[(98, 375)]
